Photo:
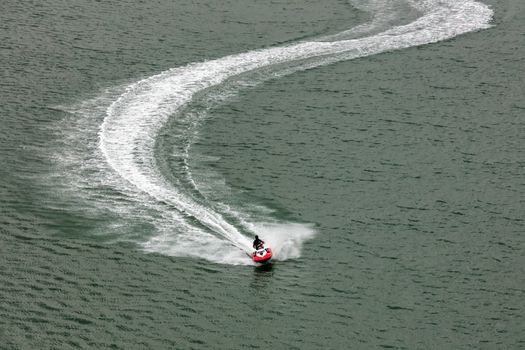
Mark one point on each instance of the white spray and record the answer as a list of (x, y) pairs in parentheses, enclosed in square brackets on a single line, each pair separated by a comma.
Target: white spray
[(133, 121)]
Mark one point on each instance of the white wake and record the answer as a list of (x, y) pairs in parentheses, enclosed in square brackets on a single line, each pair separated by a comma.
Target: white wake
[(129, 131)]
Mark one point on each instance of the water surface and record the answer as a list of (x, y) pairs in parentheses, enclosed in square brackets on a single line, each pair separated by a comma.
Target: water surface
[(376, 145)]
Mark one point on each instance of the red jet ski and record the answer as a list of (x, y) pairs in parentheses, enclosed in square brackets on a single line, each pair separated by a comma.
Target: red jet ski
[(261, 255)]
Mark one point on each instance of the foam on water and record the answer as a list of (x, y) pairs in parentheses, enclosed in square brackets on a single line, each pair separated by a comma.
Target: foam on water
[(128, 135)]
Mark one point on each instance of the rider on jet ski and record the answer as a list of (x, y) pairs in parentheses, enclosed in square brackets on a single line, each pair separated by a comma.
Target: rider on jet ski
[(261, 255), (257, 243)]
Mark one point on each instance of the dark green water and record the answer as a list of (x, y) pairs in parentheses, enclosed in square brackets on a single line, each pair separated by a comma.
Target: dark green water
[(408, 165)]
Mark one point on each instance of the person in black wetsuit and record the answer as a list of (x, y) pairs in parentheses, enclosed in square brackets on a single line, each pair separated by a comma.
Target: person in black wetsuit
[(257, 242)]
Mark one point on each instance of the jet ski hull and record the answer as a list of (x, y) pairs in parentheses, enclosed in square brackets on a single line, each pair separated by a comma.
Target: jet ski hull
[(262, 256)]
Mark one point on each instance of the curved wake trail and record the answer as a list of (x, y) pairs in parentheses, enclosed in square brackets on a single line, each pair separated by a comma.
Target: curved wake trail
[(129, 131)]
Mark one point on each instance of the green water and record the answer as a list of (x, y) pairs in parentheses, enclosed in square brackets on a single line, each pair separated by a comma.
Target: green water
[(409, 166)]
